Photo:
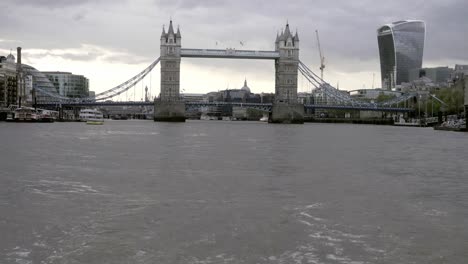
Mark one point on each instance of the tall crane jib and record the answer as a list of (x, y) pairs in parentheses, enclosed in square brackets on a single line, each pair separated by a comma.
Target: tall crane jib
[(322, 58)]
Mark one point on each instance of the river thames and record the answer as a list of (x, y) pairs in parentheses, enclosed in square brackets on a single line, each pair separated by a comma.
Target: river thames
[(232, 192)]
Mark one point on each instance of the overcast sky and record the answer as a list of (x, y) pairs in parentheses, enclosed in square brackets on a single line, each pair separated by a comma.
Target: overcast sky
[(109, 41)]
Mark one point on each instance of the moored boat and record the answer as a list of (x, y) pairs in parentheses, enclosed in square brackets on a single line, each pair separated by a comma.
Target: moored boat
[(25, 114), (44, 115)]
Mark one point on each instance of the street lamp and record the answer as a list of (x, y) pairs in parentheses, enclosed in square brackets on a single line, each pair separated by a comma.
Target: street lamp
[(419, 109)]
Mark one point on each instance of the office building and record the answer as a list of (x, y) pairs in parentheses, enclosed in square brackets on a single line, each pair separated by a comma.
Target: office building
[(437, 74), (401, 47), (68, 84)]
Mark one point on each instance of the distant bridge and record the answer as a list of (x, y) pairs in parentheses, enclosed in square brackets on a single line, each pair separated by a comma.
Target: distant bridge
[(260, 106)]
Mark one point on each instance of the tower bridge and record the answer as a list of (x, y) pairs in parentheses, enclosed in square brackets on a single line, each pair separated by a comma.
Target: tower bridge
[(197, 105), (285, 108)]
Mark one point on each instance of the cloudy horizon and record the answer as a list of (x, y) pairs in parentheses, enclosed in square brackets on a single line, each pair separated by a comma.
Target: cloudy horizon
[(110, 41)]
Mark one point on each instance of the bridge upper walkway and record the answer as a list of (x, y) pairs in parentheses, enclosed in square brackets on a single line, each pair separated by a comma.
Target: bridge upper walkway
[(229, 54)]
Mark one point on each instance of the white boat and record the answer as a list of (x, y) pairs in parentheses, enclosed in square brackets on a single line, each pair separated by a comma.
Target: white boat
[(208, 117), (264, 119), (45, 115), (26, 114), (91, 117)]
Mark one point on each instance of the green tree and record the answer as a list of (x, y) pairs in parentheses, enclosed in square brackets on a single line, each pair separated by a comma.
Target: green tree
[(453, 97), (384, 97)]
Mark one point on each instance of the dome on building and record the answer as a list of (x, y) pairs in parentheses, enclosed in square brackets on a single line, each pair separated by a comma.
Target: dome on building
[(11, 58), (245, 87)]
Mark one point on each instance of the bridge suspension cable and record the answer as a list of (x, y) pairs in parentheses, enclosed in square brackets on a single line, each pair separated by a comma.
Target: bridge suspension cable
[(117, 90), (343, 97), (123, 87), (333, 93)]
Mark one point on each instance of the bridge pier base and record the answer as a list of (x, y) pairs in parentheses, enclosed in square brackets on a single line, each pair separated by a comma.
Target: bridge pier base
[(284, 113), (169, 111)]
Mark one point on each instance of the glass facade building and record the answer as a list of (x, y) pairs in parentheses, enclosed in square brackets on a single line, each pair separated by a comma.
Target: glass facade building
[(39, 80), (401, 47), (68, 84)]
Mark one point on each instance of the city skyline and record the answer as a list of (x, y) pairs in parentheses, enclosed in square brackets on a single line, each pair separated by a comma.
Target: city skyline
[(110, 43)]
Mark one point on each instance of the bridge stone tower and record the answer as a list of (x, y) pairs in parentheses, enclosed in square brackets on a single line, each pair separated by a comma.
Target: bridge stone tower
[(286, 108), (169, 107)]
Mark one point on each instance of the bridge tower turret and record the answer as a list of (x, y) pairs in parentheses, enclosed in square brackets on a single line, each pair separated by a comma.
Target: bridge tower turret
[(169, 107), (170, 64), (286, 66), (286, 107)]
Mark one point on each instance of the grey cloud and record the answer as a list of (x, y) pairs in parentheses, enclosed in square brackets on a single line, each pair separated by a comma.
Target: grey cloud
[(51, 3), (125, 59), (78, 57), (107, 56), (78, 16), (70, 56)]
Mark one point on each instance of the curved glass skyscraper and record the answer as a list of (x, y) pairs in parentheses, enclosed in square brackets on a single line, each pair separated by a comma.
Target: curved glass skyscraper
[(401, 46)]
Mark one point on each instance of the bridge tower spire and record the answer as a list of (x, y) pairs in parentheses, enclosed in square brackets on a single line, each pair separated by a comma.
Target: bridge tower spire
[(169, 107), (286, 67), (170, 63), (286, 107)]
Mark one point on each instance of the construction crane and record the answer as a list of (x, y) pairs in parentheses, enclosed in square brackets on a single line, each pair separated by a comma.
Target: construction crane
[(322, 58)]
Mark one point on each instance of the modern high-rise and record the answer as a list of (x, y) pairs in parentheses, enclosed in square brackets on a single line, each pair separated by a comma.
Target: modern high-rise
[(68, 84), (401, 47)]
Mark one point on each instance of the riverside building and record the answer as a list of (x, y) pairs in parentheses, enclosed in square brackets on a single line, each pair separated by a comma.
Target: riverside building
[(68, 84), (8, 85), (31, 79)]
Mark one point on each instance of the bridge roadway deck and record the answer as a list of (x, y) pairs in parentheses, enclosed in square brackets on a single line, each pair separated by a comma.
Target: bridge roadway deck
[(263, 106), (229, 54)]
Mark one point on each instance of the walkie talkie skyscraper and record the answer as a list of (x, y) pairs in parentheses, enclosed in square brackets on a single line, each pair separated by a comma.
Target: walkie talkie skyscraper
[(401, 47)]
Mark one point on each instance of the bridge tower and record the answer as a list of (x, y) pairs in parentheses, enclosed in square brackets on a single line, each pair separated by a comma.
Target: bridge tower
[(286, 108), (169, 107)]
